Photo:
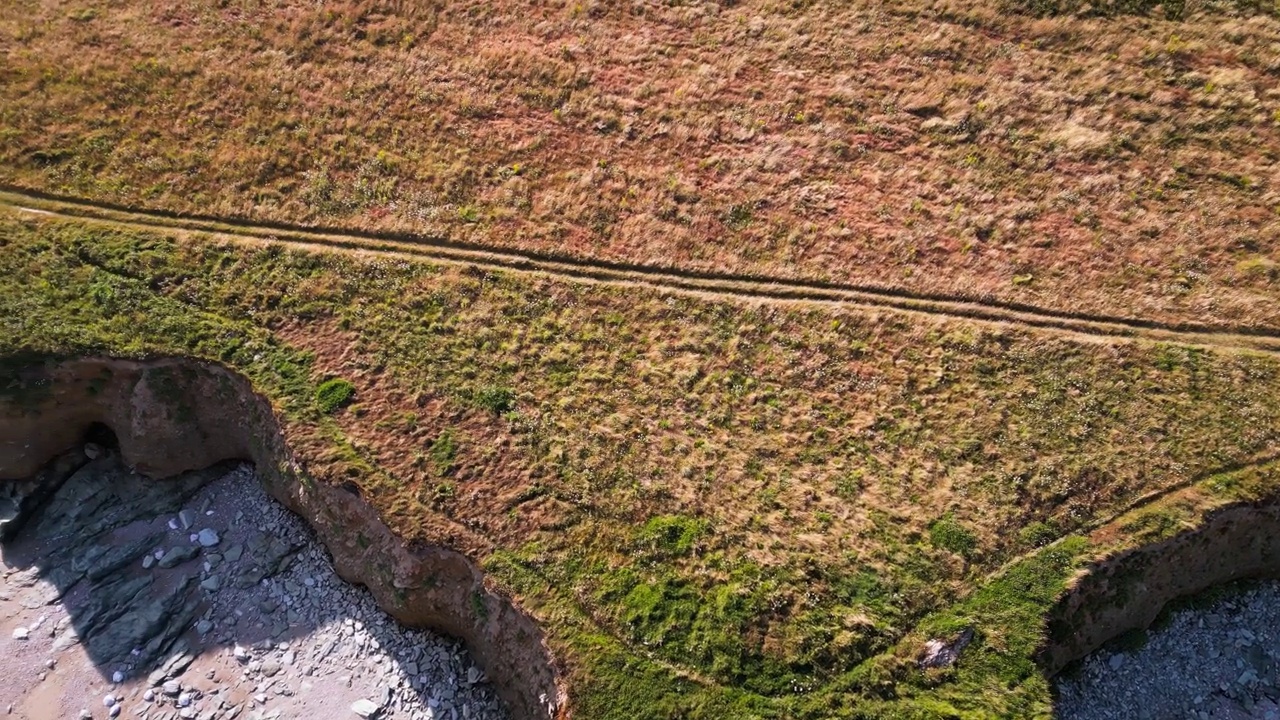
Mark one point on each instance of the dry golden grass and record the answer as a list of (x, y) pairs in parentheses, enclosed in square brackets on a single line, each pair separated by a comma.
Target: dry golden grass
[(1120, 165)]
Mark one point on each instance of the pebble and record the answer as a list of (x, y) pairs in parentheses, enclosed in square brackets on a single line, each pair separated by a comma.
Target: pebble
[(21, 633), (108, 701), (207, 538)]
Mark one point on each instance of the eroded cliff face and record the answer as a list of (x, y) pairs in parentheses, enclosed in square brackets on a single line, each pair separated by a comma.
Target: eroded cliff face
[(175, 415), (1128, 591)]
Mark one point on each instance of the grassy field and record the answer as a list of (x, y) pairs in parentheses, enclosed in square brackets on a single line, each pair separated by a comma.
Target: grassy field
[(1115, 157), (717, 510)]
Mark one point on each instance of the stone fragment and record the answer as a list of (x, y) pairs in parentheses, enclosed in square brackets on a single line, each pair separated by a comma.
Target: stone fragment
[(21, 633), (186, 518), (177, 555), (207, 537), (365, 708), (944, 653)]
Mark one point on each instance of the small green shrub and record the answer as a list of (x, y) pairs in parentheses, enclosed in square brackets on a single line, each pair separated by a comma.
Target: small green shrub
[(497, 400), (1037, 534), (670, 535), (443, 452), (739, 216), (334, 394), (948, 534)]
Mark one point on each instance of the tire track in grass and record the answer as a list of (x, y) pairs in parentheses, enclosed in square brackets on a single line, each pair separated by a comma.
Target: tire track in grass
[(706, 284)]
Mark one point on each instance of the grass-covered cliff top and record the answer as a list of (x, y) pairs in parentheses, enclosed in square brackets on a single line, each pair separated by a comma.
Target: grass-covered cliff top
[(715, 509)]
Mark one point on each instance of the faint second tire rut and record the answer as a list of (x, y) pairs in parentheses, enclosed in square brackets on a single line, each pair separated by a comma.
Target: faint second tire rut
[(759, 289)]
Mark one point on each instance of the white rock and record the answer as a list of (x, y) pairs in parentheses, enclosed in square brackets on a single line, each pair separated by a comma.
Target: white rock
[(117, 677), (108, 701), (114, 711), (21, 633), (149, 695), (365, 708), (207, 537)]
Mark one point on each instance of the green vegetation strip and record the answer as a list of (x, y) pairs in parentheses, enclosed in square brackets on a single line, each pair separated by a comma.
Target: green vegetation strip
[(716, 510)]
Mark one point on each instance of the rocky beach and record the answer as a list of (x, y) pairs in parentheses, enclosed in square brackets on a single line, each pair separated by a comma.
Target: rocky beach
[(199, 597)]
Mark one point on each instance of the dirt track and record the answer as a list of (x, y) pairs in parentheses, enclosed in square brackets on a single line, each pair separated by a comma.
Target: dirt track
[(759, 289)]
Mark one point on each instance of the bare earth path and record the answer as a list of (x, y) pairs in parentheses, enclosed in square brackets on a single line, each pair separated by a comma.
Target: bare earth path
[(759, 289)]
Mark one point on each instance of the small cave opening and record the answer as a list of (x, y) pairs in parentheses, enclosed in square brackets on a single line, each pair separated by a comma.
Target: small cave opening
[(101, 435)]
